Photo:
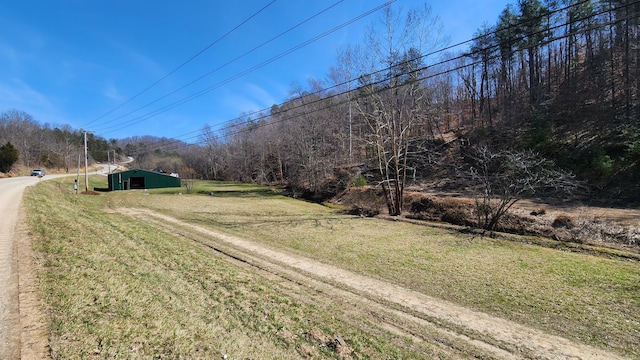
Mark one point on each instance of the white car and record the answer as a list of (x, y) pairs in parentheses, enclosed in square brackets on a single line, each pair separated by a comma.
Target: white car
[(37, 172)]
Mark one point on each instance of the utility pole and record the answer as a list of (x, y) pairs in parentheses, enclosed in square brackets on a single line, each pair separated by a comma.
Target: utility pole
[(75, 184), (108, 161), (350, 137), (86, 164)]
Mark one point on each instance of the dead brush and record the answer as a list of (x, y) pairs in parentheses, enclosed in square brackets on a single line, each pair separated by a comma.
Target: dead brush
[(579, 229), (598, 231), (539, 222), (447, 209)]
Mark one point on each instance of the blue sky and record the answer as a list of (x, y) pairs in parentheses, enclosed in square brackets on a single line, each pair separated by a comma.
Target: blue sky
[(81, 62)]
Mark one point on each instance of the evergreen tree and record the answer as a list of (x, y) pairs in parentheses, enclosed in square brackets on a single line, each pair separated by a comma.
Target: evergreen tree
[(8, 157), (533, 33)]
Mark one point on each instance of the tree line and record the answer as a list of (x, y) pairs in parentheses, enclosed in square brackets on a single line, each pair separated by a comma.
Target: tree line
[(44, 145)]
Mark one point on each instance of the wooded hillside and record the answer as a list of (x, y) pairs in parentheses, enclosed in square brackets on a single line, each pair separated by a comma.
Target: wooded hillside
[(556, 77), (46, 145)]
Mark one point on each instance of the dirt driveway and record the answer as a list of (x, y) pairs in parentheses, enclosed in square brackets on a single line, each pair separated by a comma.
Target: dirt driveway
[(492, 336)]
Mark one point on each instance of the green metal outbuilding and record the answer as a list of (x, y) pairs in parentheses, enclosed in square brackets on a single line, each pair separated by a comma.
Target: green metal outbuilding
[(141, 179)]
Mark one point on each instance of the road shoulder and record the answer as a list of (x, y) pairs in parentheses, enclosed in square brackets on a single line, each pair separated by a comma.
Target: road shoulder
[(33, 325)]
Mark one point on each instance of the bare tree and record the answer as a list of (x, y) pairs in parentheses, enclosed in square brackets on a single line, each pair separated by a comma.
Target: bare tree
[(188, 179), (393, 103), (309, 138), (210, 159), (21, 128), (505, 177), (348, 68), (65, 144)]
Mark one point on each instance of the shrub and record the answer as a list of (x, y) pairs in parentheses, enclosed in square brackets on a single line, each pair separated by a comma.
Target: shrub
[(563, 221), (364, 212), (539, 211), (602, 162), (359, 181), (8, 157), (456, 217), (425, 204)]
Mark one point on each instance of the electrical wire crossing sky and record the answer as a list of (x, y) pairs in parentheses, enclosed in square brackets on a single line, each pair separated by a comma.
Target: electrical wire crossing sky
[(123, 69)]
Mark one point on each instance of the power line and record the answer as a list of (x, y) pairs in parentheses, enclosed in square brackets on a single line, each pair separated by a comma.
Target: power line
[(464, 55), (184, 63), (189, 98), (225, 64), (425, 77), (245, 72)]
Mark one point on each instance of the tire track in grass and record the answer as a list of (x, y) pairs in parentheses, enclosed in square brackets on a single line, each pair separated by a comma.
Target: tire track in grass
[(492, 335)]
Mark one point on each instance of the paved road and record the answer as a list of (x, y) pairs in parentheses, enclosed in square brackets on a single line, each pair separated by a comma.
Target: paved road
[(11, 191)]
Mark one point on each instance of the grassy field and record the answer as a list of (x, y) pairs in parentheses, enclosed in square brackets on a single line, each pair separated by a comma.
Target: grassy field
[(117, 288)]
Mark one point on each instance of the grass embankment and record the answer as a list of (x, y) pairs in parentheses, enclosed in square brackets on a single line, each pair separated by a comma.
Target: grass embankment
[(117, 287)]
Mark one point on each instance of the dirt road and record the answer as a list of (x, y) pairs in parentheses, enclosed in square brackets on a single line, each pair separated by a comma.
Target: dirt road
[(491, 336)]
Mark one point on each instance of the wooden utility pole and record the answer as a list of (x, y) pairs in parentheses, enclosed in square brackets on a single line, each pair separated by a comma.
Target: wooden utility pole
[(75, 184), (86, 164)]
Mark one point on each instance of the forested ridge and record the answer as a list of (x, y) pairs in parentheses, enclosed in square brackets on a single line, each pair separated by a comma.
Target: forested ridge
[(558, 78)]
